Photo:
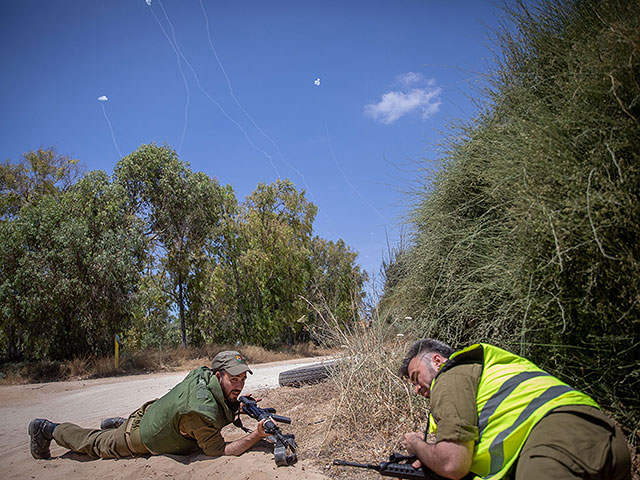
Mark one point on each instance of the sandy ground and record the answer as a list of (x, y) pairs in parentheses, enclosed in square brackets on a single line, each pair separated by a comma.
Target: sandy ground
[(87, 402)]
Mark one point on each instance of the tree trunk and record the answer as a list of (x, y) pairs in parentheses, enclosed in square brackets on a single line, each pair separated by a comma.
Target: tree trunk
[(183, 326), (14, 353), (239, 301)]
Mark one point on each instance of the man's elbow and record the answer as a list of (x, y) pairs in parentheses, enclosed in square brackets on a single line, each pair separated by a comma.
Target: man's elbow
[(230, 450), (456, 474), (457, 464), (454, 470)]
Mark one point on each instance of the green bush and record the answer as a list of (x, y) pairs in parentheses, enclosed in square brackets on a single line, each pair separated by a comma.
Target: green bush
[(528, 237)]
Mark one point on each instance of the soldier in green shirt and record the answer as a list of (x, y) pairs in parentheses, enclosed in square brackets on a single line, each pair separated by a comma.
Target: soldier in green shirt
[(496, 415), (189, 417)]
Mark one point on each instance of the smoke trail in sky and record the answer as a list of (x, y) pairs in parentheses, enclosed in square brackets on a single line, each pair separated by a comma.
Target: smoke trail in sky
[(178, 53), (177, 50), (335, 159), (103, 99), (257, 127), (224, 72)]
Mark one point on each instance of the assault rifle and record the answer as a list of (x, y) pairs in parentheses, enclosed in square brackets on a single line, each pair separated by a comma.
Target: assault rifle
[(283, 443), (398, 466)]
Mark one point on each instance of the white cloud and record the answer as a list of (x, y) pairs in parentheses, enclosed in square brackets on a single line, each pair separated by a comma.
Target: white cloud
[(103, 98), (409, 78), (396, 104)]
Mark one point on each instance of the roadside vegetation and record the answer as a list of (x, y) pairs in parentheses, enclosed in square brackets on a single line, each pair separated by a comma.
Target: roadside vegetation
[(146, 361), (526, 235)]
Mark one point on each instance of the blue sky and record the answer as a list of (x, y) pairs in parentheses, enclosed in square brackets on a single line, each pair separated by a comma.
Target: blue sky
[(345, 98)]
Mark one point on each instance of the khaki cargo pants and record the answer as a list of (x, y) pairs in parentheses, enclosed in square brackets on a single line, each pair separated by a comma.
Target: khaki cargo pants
[(579, 444), (123, 441)]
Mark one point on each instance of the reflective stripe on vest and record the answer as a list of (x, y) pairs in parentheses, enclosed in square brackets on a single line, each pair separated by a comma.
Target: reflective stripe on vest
[(496, 449), (505, 389)]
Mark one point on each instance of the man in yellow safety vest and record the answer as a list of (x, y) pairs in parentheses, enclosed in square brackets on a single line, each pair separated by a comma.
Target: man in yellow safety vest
[(496, 415)]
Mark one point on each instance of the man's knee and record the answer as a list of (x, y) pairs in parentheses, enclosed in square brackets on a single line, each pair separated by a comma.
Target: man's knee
[(112, 443)]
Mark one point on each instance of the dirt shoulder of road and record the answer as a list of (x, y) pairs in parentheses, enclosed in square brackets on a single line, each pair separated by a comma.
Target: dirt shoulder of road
[(321, 434), (86, 402)]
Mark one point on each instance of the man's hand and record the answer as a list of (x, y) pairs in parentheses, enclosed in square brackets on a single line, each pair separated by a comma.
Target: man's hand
[(411, 442), (260, 428), (249, 440)]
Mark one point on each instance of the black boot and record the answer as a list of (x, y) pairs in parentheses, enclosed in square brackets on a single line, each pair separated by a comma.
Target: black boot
[(41, 433), (112, 422)]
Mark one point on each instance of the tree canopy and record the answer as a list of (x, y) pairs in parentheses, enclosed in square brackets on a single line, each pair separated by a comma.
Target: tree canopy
[(160, 255)]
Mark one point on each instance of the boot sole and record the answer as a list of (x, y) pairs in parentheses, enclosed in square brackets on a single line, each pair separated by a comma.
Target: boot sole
[(33, 430)]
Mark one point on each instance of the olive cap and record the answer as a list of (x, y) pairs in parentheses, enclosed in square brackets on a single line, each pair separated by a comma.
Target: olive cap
[(232, 362)]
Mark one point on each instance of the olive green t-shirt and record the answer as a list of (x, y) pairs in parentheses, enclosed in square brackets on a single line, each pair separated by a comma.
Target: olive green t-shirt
[(453, 403), (197, 427)]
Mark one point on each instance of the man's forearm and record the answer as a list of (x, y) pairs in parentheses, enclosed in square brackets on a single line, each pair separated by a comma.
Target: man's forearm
[(447, 459), (238, 447)]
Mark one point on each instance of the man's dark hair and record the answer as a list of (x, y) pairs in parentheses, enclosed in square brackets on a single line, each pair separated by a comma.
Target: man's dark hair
[(426, 345)]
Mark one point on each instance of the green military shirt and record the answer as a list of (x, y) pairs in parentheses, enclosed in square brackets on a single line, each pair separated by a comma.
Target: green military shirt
[(453, 403), (208, 437), (190, 416)]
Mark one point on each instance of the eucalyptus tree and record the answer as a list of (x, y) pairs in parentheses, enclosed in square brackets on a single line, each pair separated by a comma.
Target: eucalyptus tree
[(335, 286), (69, 269), (276, 222), (37, 173), (181, 212)]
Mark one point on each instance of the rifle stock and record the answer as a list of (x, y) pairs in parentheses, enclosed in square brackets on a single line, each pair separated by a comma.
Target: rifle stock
[(398, 466)]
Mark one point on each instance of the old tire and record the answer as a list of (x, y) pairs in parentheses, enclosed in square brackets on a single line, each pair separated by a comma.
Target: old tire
[(307, 374)]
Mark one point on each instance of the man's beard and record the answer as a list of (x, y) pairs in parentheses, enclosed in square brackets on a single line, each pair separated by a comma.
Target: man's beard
[(233, 405)]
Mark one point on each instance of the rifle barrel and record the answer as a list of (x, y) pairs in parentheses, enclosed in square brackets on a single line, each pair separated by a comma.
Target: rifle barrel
[(281, 419), (344, 463)]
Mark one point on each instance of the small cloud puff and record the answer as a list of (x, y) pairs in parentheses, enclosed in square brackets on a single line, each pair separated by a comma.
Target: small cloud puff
[(317, 82), (400, 102), (409, 78), (103, 98)]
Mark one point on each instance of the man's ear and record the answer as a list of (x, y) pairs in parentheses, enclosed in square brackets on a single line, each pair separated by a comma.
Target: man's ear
[(218, 375), (437, 360)]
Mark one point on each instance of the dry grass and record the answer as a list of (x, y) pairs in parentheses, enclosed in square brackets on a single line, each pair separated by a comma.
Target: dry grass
[(321, 434), (161, 360), (79, 367), (365, 407), (324, 432)]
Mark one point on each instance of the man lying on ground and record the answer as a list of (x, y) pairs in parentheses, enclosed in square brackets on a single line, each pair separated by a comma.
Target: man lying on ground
[(189, 417)]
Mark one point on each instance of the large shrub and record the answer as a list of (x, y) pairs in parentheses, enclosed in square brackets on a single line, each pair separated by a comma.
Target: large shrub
[(529, 236)]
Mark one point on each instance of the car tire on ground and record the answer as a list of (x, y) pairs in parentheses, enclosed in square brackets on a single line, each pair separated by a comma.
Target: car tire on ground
[(308, 374)]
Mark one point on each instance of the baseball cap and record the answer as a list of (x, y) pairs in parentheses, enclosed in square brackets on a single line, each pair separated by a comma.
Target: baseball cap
[(233, 362)]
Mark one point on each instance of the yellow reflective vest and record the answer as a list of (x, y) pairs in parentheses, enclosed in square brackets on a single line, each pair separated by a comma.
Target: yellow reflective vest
[(513, 395)]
